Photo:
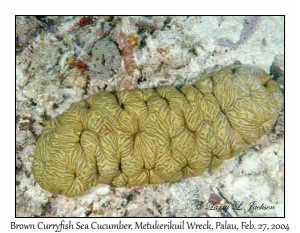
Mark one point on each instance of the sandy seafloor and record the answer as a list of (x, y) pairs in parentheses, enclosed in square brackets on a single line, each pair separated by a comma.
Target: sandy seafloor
[(140, 52)]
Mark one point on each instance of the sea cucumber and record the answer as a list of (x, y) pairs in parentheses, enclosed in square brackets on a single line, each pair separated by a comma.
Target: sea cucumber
[(137, 137)]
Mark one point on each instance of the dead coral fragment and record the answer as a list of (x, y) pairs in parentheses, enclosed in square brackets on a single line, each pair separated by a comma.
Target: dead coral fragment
[(127, 43), (105, 60), (161, 135), (249, 29)]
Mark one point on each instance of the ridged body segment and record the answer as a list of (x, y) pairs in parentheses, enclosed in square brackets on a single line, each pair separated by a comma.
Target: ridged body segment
[(161, 135)]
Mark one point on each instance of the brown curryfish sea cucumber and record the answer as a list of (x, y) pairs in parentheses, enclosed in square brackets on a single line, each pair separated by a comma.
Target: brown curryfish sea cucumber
[(136, 137)]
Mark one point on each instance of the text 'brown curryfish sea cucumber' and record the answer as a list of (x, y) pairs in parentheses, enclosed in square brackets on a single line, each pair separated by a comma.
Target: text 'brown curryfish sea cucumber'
[(136, 137)]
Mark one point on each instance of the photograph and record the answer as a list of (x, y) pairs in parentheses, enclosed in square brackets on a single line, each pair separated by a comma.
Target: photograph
[(159, 116)]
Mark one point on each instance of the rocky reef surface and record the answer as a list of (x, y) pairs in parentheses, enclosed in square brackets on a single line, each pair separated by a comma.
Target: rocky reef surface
[(61, 60)]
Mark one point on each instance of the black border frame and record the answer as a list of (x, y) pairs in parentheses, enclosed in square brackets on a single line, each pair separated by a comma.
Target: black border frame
[(17, 217)]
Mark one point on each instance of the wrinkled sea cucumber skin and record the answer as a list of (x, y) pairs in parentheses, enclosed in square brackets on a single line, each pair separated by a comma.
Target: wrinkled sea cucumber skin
[(137, 137)]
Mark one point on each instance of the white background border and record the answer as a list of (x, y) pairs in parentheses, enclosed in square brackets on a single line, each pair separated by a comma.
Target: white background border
[(151, 7)]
